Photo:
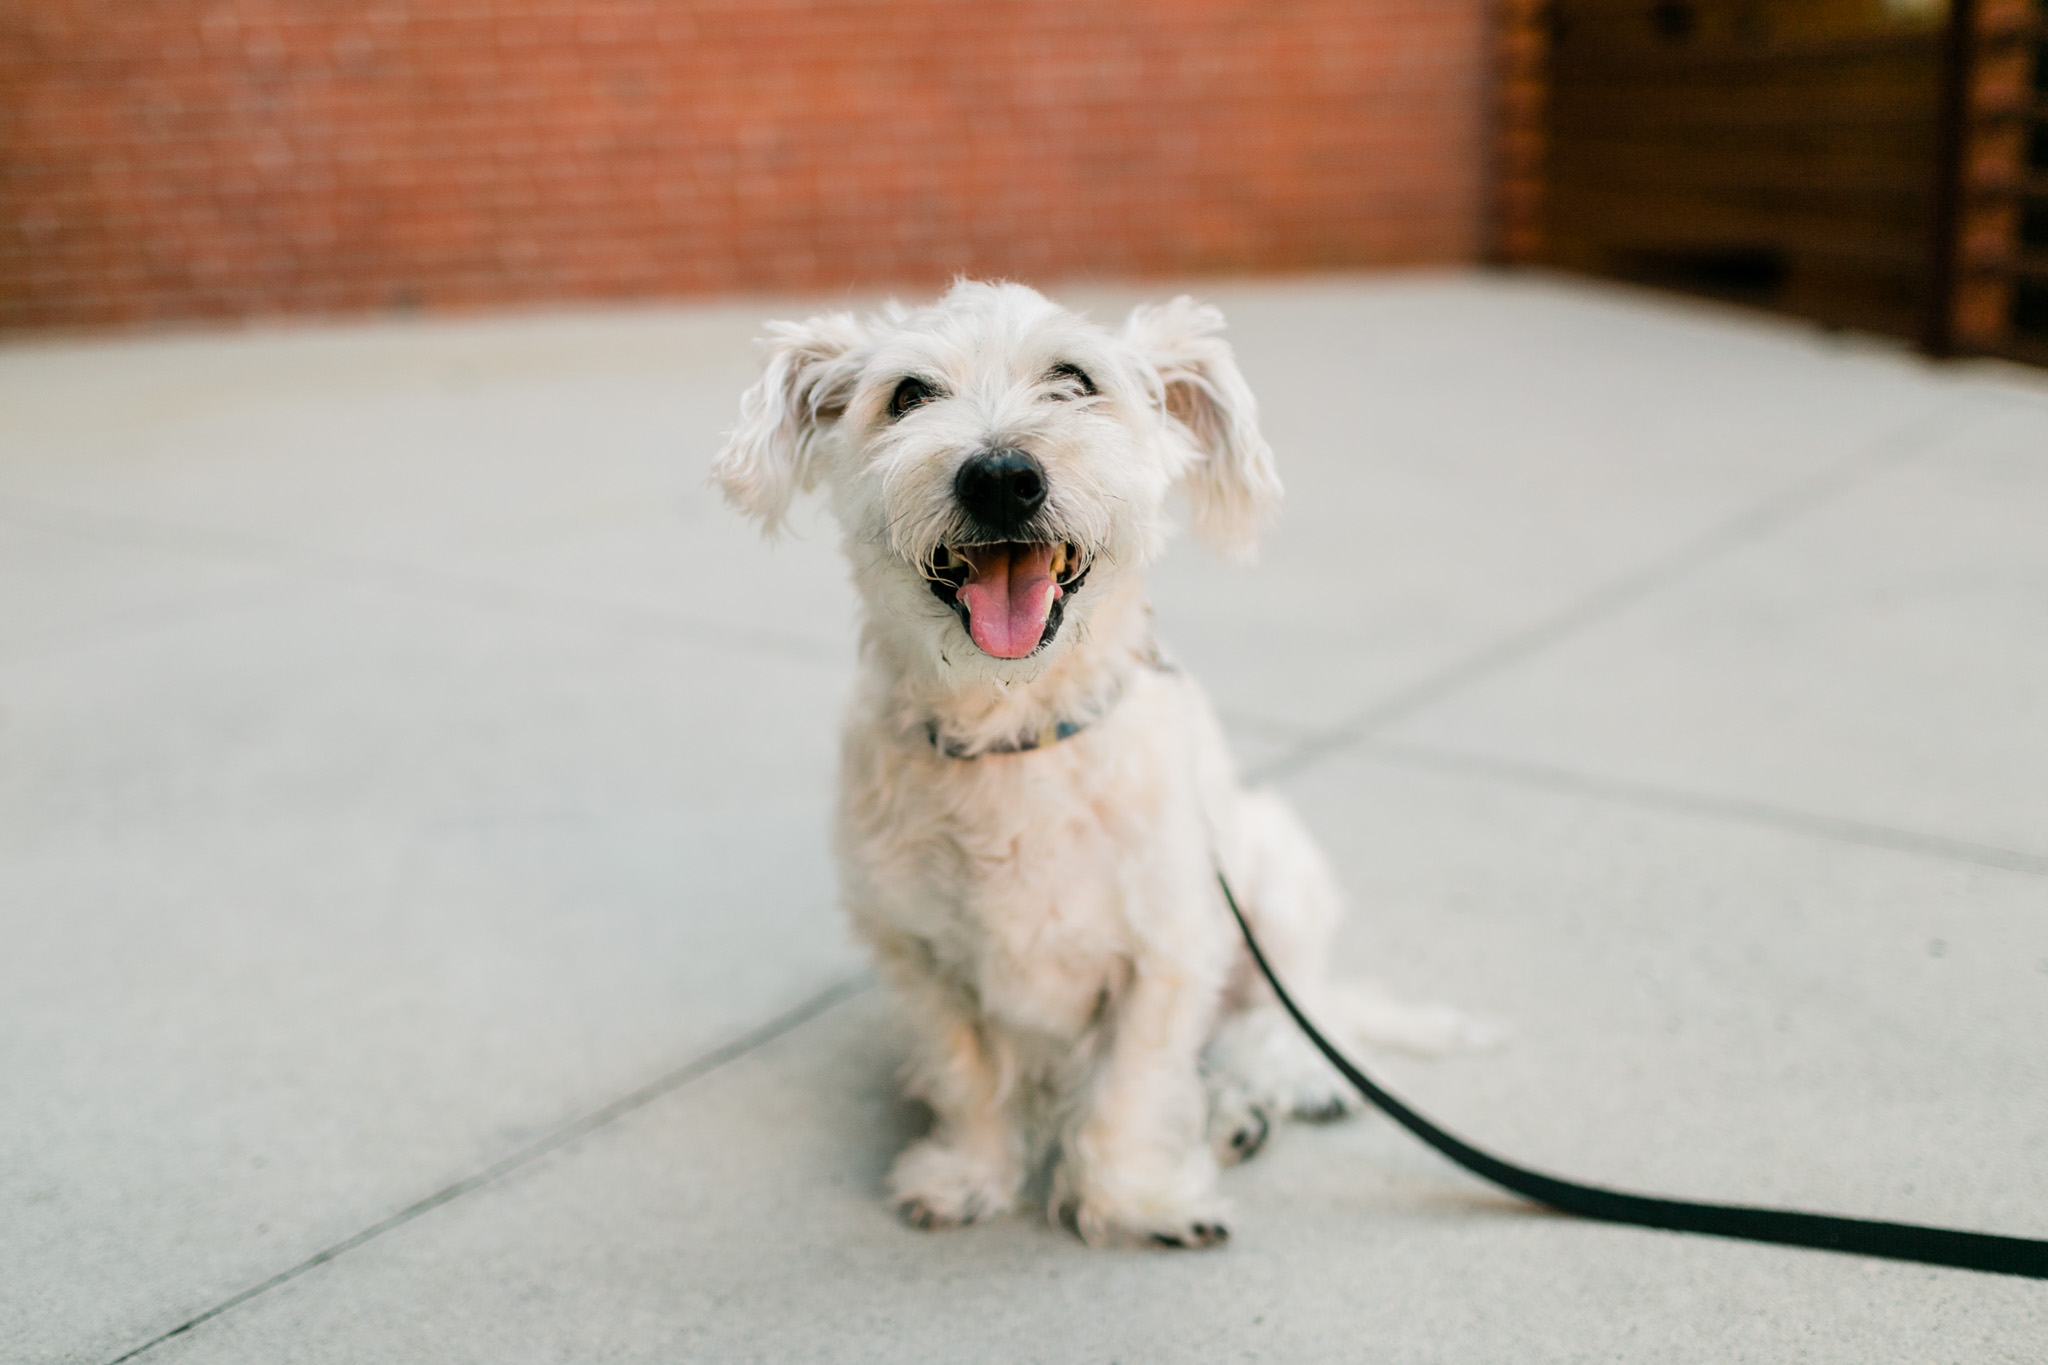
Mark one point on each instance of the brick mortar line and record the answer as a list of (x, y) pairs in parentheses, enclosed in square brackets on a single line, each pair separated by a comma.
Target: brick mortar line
[(786, 1022)]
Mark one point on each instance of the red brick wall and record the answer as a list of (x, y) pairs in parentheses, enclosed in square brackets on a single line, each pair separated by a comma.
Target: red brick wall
[(187, 158)]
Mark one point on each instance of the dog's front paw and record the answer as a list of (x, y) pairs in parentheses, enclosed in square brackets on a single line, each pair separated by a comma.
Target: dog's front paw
[(1104, 1227), (1103, 1222), (937, 1186)]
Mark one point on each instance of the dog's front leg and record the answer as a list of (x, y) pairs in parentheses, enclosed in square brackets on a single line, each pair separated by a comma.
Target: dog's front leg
[(971, 1165), (1137, 1168)]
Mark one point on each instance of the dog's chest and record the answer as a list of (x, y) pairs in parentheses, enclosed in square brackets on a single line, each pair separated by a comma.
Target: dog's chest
[(1027, 880), (1047, 922)]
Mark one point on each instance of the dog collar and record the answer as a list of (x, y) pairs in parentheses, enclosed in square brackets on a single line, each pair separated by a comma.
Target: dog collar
[(1052, 732), (1016, 744)]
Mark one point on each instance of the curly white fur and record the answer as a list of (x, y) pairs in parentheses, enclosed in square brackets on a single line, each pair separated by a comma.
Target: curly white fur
[(1050, 919)]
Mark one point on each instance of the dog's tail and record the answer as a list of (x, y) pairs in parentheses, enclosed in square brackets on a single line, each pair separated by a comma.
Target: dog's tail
[(1364, 1016)]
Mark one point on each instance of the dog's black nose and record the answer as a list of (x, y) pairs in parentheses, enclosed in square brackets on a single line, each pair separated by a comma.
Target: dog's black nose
[(1001, 490)]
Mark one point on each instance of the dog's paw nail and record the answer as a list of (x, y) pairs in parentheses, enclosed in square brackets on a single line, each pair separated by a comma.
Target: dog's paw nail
[(1321, 1111), (1247, 1140), (1194, 1236), (922, 1216)]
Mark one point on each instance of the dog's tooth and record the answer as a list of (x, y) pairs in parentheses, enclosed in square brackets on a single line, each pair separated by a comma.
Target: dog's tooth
[(1059, 561)]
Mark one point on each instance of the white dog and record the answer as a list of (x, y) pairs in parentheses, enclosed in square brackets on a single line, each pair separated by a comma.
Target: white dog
[(1033, 805)]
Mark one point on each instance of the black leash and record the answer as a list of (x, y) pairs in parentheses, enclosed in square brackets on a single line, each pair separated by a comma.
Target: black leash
[(1895, 1241)]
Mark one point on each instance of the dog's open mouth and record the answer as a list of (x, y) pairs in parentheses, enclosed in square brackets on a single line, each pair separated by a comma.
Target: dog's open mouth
[(1010, 594)]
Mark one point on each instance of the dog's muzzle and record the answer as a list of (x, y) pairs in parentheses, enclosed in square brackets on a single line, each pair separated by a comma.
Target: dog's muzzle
[(1006, 572)]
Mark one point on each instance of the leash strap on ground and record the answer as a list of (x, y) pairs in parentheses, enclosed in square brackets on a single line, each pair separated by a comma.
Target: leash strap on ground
[(1895, 1241)]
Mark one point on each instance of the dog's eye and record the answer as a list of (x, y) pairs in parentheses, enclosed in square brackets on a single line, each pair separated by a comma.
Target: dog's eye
[(909, 393), (1071, 376)]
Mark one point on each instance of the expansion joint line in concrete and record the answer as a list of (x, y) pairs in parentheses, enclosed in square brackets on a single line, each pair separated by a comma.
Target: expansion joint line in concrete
[(683, 1075), (1610, 600), (1643, 796)]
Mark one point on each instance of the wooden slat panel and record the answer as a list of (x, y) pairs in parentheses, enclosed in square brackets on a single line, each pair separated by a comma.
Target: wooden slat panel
[(1521, 142), (1787, 146), (2002, 105)]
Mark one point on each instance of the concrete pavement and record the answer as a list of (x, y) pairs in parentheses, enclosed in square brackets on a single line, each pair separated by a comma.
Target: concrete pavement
[(418, 934)]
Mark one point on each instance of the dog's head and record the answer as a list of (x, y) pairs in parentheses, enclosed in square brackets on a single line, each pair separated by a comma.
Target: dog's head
[(993, 456)]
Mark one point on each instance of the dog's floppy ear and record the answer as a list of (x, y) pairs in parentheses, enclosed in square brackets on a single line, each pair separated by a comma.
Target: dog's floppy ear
[(1232, 487), (769, 457)]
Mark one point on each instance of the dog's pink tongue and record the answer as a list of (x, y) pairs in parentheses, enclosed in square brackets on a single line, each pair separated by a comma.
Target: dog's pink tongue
[(1008, 592)]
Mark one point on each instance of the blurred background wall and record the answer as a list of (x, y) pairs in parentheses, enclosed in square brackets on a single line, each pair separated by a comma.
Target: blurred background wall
[(1880, 164), (175, 159)]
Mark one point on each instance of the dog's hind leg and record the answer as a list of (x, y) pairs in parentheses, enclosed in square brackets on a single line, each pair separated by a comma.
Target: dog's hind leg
[(1259, 1065), (1259, 1068)]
